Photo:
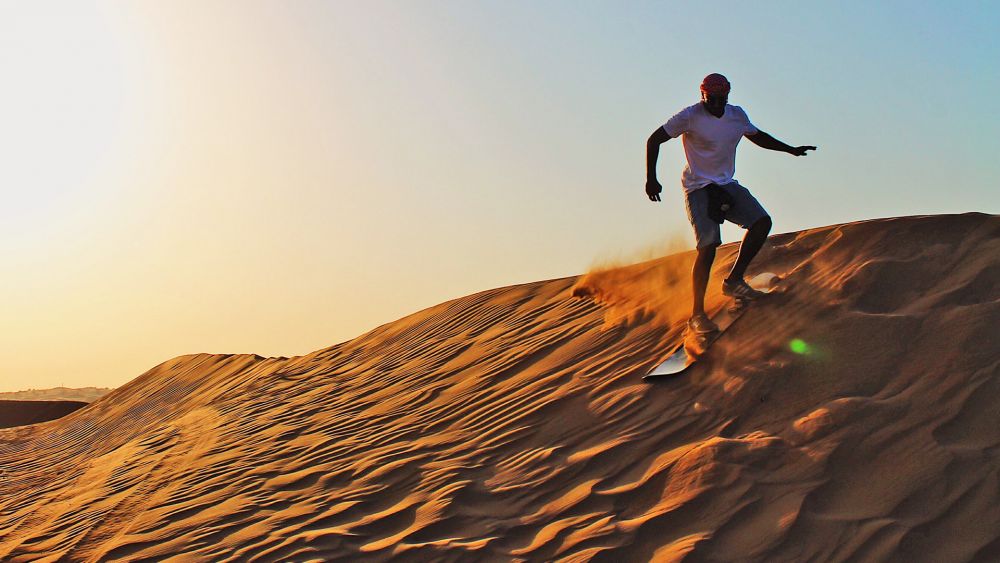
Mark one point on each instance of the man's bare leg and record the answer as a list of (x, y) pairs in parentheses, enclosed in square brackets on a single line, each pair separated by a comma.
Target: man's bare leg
[(751, 245), (699, 277)]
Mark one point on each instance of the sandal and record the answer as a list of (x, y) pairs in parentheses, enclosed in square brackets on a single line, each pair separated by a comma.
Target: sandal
[(740, 289), (701, 324)]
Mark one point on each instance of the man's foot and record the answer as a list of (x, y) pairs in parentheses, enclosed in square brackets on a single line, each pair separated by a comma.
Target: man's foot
[(701, 324), (740, 289)]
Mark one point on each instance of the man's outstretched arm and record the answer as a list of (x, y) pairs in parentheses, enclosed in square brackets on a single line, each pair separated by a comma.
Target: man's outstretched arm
[(763, 140), (653, 187)]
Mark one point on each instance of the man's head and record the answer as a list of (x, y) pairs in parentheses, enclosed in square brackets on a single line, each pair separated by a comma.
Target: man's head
[(715, 93)]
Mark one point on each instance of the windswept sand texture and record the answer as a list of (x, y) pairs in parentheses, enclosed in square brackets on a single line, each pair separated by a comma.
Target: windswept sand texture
[(513, 424)]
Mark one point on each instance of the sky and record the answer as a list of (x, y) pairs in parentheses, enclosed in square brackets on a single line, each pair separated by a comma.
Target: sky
[(278, 177)]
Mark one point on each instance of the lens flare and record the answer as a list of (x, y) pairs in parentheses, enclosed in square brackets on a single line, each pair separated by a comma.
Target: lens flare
[(799, 346)]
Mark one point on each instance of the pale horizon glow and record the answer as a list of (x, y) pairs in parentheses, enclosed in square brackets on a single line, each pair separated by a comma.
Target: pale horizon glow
[(276, 178)]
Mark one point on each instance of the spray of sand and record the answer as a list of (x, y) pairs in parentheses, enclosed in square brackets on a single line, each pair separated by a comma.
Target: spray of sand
[(650, 284)]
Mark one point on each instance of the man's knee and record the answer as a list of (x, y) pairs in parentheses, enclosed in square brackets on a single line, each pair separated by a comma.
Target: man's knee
[(708, 251), (762, 224)]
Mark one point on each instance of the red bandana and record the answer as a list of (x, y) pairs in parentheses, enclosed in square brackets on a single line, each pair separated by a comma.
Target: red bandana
[(715, 83)]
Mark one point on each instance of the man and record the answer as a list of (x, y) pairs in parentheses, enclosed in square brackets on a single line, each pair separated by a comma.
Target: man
[(712, 129)]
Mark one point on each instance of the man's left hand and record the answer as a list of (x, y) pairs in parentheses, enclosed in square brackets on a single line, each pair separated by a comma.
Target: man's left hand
[(801, 151)]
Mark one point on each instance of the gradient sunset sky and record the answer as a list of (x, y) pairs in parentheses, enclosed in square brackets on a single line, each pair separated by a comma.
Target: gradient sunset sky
[(277, 177)]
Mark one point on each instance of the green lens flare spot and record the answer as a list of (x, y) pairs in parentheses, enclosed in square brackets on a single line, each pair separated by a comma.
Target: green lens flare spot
[(799, 346)]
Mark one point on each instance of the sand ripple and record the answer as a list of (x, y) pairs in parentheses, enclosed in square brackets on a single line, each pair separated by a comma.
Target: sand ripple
[(513, 425)]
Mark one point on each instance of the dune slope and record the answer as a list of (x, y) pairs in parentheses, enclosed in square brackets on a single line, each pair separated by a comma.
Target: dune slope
[(513, 424)]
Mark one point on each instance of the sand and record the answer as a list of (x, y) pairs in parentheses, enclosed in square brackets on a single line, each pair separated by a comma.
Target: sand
[(513, 425)]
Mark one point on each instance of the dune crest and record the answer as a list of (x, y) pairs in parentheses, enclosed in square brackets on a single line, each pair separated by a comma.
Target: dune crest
[(512, 424)]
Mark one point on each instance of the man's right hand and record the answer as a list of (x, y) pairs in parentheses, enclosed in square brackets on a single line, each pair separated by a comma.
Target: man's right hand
[(801, 151), (653, 189)]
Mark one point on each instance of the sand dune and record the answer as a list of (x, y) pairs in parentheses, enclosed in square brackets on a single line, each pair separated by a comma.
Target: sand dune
[(513, 425)]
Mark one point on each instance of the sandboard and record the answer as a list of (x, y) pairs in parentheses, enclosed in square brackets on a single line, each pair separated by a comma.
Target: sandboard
[(685, 354)]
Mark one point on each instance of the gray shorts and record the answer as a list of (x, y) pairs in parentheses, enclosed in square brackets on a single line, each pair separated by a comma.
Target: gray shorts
[(745, 211)]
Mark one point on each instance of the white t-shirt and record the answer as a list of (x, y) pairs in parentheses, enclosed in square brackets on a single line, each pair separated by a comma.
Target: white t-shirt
[(709, 143)]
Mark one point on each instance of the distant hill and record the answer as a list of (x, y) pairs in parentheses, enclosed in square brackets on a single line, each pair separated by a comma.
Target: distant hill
[(85, 394)]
